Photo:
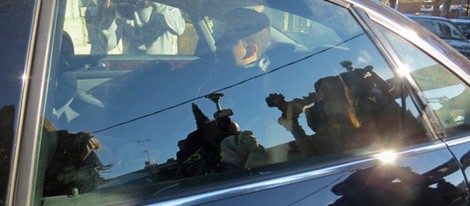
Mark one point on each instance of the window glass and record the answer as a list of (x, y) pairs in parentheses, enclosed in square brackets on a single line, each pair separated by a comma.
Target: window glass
[(309, 33), (285, 87), (445, 94), (464, 26)]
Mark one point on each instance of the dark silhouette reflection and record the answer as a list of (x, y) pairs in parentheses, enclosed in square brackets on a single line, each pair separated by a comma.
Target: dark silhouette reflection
[(72, 164), (73, 167), (7, 119), (354, 109), (465, 160), (392, 185), (217, 145)]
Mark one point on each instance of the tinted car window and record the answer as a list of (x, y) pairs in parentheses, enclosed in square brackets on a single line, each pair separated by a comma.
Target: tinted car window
[(135, 123), (14, 33), (444, 93)]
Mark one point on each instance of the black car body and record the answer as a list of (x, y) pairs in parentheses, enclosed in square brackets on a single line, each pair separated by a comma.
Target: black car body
[(358, 106)]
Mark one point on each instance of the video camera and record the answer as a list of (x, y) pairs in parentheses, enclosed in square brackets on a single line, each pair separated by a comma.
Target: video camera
[(126, 8)]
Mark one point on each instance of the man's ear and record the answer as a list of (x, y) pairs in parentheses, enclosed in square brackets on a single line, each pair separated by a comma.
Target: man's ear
[(251, 51)]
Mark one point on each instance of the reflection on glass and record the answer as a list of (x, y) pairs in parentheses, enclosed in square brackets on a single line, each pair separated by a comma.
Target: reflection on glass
[(387, 157), (445, 94)]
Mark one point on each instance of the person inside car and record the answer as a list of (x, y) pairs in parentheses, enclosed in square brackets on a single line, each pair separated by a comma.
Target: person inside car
[(244, 41), (144, 27), (242, 46), (240, 53)]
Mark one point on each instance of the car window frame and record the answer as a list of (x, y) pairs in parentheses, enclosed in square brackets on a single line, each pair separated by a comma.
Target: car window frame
[(434, 125), (22, 182), (15, 71), (408, 83)]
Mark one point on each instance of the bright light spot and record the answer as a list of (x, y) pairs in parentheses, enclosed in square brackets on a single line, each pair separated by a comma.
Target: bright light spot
[(403, 70), (23, 77), (387, 157), (410, 33)]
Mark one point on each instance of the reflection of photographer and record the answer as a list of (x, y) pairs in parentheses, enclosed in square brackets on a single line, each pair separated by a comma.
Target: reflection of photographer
[(144, 27), (73, 166)]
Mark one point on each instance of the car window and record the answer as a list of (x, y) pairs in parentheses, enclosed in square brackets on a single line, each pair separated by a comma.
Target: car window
[(443, 29), (444, 93), (464, 26), (291, 87)]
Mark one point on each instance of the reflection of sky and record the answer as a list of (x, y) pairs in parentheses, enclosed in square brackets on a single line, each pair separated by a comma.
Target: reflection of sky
[(125, 155)]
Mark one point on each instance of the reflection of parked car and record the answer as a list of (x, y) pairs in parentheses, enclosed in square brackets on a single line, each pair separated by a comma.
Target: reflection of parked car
[(464, 25), (350, 102), (446, 30)]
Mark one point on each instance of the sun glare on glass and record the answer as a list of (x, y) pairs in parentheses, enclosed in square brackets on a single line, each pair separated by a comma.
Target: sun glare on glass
[(23, 77), (387, 157)]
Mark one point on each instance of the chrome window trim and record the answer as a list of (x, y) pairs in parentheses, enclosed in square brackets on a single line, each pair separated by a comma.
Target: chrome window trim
[(23, 183), (342, 3), (458, 140), (295, 178), (17, 139)]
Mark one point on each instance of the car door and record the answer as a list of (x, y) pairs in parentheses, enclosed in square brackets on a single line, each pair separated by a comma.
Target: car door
[(386, 179), (379, 142)]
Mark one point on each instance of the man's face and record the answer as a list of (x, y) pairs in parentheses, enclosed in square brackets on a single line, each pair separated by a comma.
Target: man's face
[(239, 53), (235, 54), (224, 53)]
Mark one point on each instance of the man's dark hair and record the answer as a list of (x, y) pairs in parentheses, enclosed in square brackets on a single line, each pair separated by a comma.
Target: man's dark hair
[(248, 25), (261, 38)]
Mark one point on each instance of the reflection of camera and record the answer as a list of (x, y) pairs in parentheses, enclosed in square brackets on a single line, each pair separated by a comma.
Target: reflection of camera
[(347, 64), (126, 8)]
